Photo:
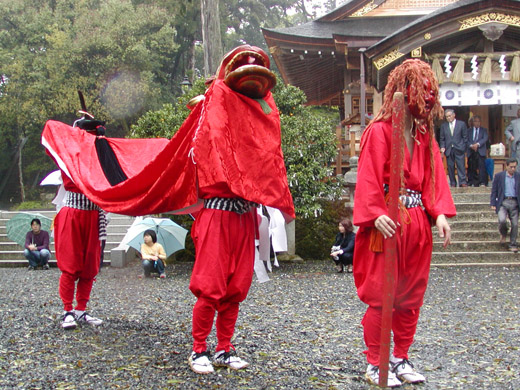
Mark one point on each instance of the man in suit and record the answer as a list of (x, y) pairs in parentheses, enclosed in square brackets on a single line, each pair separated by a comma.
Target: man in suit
[(504, 200), (478, 138), (513, 136), (454, 144)]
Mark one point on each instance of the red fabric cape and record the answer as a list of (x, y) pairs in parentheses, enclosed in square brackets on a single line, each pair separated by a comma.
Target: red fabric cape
[(227, 139)]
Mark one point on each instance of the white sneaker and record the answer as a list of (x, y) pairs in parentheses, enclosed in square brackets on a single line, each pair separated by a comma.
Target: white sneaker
[(372, 377), (404, 370), (229, 359), (69, 321), (200, 363), (85, 318)]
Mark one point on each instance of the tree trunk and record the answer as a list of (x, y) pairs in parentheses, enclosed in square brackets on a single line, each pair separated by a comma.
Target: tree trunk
[(211, 38), (191, 61), (20, 171)]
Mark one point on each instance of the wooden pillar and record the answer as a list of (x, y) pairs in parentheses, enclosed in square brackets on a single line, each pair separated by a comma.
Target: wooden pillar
[(352, 135), (362, 103), (339, 154)]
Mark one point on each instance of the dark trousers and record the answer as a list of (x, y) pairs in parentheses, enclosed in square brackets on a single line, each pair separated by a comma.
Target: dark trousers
[(345, 259), (456, 157), (477, 173)]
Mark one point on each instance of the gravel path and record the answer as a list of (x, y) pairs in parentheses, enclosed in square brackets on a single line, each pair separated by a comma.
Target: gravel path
[(301, 330)]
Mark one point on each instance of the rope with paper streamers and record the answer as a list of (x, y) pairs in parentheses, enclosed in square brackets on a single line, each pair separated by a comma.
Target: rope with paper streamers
[(485, 76), (514, 72), (458, 72), (437, 70)]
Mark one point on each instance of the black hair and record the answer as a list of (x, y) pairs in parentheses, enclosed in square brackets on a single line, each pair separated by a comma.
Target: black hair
[(510, 160), (152, 234), (39, 222)]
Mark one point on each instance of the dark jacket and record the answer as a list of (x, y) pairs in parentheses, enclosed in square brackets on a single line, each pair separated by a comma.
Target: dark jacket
[(482, 140), (498, 191), (459, 140), (346, 243)]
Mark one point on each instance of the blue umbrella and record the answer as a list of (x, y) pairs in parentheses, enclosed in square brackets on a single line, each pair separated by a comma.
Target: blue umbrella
[(170, 235)]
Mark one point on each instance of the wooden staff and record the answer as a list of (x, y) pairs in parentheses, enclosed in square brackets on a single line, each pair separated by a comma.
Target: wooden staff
[(396, 166)]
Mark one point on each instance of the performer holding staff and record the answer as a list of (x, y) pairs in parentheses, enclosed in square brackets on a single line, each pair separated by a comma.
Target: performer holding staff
[(424, 199)]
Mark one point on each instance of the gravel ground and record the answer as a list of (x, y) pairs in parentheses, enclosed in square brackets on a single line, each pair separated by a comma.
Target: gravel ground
[(301, 330)]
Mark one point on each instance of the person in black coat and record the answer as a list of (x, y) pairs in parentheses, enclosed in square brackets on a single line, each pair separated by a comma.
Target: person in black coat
[(342, 251), (477, 139), (454, 144)]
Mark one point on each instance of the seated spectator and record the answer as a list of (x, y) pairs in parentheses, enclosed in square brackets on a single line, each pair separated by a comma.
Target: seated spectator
[(37, 246), (342, 251), (153, 255)]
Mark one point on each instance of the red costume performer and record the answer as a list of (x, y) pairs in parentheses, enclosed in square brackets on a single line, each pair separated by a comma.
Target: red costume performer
[(76, 239), (77, 229), (423, 184), (225, 159)]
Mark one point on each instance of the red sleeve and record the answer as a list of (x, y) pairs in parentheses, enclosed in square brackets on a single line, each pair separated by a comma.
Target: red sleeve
[(373, 167), (442, 202), (161, 175)]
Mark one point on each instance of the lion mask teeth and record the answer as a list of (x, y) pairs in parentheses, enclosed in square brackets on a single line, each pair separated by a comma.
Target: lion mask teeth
[(244, 58)]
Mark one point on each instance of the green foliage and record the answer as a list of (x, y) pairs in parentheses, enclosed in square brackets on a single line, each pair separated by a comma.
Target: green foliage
[(309, 146), (33, 205), (166, 121), (126, 56), (315, 235), (122, 55)]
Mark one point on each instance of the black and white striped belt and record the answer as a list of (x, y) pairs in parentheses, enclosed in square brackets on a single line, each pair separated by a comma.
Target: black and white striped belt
[(409, 200), (237, 205)]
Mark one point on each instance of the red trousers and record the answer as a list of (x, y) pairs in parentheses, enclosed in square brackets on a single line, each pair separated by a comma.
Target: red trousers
[(222, 274), (414, 250), (76, 240)]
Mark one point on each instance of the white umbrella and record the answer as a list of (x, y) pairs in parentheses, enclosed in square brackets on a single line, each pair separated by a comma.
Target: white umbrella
[(52, 179)]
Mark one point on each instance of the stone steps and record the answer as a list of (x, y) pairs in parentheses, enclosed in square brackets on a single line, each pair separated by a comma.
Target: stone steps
[(474, 233), (11, 254)]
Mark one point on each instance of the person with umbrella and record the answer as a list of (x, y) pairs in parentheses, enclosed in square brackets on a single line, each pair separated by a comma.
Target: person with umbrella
[(37, 250), (153, 254), (424, 198), (155, 239)]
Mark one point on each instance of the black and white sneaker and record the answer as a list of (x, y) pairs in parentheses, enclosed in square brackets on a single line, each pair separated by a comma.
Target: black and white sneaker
[(69, 321), (229, 359), (200, 363), (85, 318), (405, 371), (372, 377)]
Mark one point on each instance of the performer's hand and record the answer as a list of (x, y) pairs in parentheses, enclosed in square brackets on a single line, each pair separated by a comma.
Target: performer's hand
[(442, 150), (493, 208), (385, 225), (511, 138), (444, 229)]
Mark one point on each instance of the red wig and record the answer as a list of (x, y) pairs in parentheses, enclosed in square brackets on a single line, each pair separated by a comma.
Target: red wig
[(409, 78)]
